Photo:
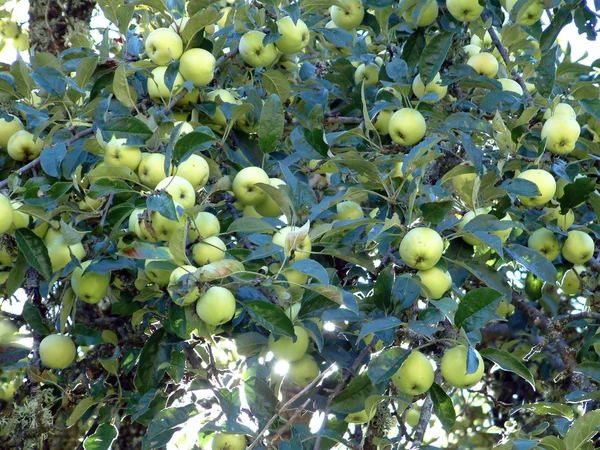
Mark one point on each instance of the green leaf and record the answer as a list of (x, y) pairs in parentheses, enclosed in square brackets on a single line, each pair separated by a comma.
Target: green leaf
[(270, 316), (552, 409), (124, 93), (382, 292), (533, 261), (102, 439), (51, 159), (249, 225), (434, 55), (128, 127), (405, 292), (151, 365), (12, 355), (442, 406), (312, 268), (561, 18), (165, 423), (477, 308), (435, 212), (551, 443), (353, 397), (589, 369), (190, 143), (576, 193), (509, 363), (386, 364), (413, 48), (583, 430), (281, 198), (270, 129), (35, 251), (145, 250), (337, 37), (198, 21), (591, 106), (80, 410), (276, 83), (378, 325), (546, 72)]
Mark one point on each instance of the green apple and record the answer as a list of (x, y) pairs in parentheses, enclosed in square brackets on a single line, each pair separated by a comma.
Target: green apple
[(137, 226), (163, 227), (562, 109), (159, 272), (349, 15), (20, 219), (9, 29), (427, 14), (531, 15), (484, 63), (254, 53), (151, 170), (197, 65), (464, 182), (415, 376), (349, 210), (464, 10), (285, 348), (454, 367), (561, 133), (421, 248), (303, 371), (244, 185), (294, 37), (90, 287), (578, 248), (504, 309), (511, 85), (118, 153), (544, 241), (180, 189), (437, 282), (545, 183), (368, 73), (89, 204), (269, 207), (296, 243), (471, 50), (190, 98), (407, 126), (382, 121), (228, 441), (360, 417), (57, 351), (8, 128), (195, 170), (60, 252), (184, 128), (570, 283), (226, 97), (209, 250), (163, 45), (216, 306), (412, 417), (564, 221), (193, 293), (482, 43), (434, 86), (23, 147), (7, 214), (204, 225), (21, 42), (297, 277), (157, 87), (332, 48), (502, 234)]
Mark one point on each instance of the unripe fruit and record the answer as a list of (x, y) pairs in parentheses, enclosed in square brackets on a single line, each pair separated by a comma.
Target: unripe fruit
[(6, 214), (164, 45), (23, 147), (348, 17), (303, 371), (434, 86), (454, 367), (407, 126), (543, 240), (286, 349), (209, 250), (578, 248), (90, 287), (8, 128), (415, 376), (437, 282), (57, 351), (561, 134), (296, 247), (421, 248), (216, 306), (545, 183), (464, 10), (484, 63)]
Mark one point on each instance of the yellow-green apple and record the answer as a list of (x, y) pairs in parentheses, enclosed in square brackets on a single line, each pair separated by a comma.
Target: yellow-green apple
[(9, 29), (434, 86), (294, 37), (562, 109), (471, 50), (369, 73), (295, 241), (164, 45), (345, 51), (191, 97), (60, 252), (21, 42), (226, 97), (228, 441), (484, 63), (544, 241), (269, 207), (570, 283), (8, 128), (197, 65), (412, 417), (118, 153), (303, 371), (454, 367), (163, 227), (349, 210), (545, 183), (360, 416), (216, 306), (504, 309), (437, 282), (295, 276), (57, 351), (20, 219), (159, 272), (421, 248), (204, 225), (254, 53), (511, 85), (349, 15), (407, 126), (564, 221), (285, 348), (244, 185), (427, 14), (194, 169), (22, 146), (90, 287), (209, 250), (137, 225), (180, 189), (531, 15), (193, 293), (382, 121), (184, 129), (502, 234), (157, 87), (7, 214), (578, 248), (464, 10), (152, 169), (89, 204), (482, 43), (561, 133), (465, 181), (222, 22), (415, 376), (250, 211)]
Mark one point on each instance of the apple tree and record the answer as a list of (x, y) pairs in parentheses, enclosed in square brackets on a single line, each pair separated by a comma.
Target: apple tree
[(308, 224)]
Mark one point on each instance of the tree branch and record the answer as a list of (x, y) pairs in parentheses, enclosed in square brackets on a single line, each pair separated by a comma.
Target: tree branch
[(424, 419), (225, 57)]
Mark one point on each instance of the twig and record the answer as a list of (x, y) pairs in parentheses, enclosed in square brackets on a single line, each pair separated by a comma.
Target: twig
[(106, 208), (424, 419), (225, 57), (291, 420)]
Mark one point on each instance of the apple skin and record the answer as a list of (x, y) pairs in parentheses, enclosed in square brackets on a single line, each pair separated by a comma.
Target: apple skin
[(269, 207), (164, 228), (427, 14), (407, 126), (89, 204), (412, 417), (90, 287), (484, 63), (562, 109), (8, 129), (348, 17), (561, 133), (227, 441), (59, 252), (209, 250), (195, 170), (433, 86), (360, 417), (191, 296), (511, 85), (164, 45), (254, 53), (464, 10), (300, 249), (205, 225), (226, 97), (20, 219), (57, 351), (151, 170), (504, 309), (303, 371), (293, 37), (244, 185), (369, 73), (415, 376), (295, 276), (544, 241), (286, 349), (7, 214), (23, 147), (482, 43), (118, 153), (157, 88), (180, 189), (570, 283), (530, 16), (454, 367), (9, 29), (382, 122), (471, 50), (578, 248), (421, 248), (159, 272), (437, 282), (564, 221), (349, 210), (545, 183), (197, 65), (216, 306), (502, 234), (332, 48)]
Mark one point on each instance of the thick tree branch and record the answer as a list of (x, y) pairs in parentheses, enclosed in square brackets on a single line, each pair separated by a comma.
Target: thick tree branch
[(424, 418)]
